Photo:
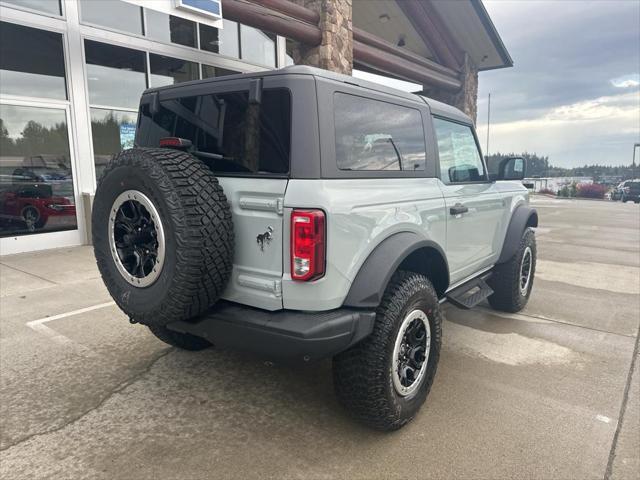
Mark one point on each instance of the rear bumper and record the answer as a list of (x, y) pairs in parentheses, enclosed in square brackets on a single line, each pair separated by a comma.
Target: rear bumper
[(284, 334)]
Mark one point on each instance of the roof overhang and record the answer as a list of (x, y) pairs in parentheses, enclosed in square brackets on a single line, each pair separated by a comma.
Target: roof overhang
[(472, 27), (439, 30)]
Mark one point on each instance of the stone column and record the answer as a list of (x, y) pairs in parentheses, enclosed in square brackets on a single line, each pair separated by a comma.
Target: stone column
[(335, 52), (466, 99)]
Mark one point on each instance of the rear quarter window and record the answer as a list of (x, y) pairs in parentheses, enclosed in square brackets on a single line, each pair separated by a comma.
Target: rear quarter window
[(376, 135), (228, 132)]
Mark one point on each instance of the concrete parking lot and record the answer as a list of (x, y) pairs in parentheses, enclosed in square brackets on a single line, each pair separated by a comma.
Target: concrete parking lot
[(551, 392)]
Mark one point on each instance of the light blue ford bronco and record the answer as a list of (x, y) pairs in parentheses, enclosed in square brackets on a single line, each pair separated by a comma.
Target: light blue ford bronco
[(304, 215)]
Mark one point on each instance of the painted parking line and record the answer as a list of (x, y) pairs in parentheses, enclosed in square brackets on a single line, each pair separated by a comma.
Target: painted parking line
[(40, 327)]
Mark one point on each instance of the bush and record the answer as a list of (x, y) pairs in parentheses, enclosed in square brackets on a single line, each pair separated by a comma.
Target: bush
[(591, 190), (568, 191), (546, 191)]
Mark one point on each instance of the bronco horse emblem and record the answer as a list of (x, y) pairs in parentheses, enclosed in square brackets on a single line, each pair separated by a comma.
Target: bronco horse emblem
[(264, 238)]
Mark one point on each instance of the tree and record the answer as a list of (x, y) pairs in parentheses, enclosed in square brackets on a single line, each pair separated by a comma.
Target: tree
[(539, 166), (7, 146)]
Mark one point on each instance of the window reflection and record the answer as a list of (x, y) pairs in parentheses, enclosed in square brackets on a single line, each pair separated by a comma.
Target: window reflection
[(258, 46), (115, 75), (376, 135), (45, 6), (222, 125), (224, 41), (209, 71), (113, 14), (459, 156), (169, 70), (36, 181), (170, 29), (112, 131), (288, 58), (31, 62)]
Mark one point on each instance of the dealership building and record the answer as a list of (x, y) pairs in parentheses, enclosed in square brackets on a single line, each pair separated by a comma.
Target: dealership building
[(72, 72)]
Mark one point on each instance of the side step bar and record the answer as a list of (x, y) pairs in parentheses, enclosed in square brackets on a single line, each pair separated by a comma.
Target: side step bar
[(470, 294)]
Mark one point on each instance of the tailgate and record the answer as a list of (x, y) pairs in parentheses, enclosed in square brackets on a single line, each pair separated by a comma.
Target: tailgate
[(257, 209)]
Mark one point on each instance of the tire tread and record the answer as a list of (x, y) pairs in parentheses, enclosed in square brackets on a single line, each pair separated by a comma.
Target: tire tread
[(505, 279), (361, 374)]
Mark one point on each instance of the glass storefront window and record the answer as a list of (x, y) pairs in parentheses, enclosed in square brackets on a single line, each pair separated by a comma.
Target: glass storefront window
[(112, 14), (224, 41), (209, 71), (36, 181), (31, 62), (258, 46), (115, 75), (169, 70), (44, 6), (170, 29), (112, 132), (288, 58)]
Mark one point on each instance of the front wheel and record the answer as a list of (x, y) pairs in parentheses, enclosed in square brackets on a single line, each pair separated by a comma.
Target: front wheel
[(384, 380), (512, 281)]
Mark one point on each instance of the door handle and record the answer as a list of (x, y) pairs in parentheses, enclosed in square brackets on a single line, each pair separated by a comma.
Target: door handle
[(458, 209)]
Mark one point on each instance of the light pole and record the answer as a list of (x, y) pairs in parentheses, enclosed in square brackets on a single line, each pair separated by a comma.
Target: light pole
[(633, 164), (489, 123)]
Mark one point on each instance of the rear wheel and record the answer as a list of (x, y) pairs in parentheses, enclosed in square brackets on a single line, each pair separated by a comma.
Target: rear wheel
[(162, 235), (512, 281), (185, 341), (31, 218), (384, 380)]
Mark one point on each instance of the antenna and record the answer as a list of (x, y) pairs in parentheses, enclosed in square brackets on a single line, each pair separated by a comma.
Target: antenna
[(488, 124)]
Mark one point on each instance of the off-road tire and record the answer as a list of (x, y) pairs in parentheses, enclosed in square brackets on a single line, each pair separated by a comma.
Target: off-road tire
[(362, 375), (184, 341), (505, 278), (198, 232)]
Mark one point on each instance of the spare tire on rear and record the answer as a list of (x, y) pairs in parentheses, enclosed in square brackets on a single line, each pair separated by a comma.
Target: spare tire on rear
[(162, 235)]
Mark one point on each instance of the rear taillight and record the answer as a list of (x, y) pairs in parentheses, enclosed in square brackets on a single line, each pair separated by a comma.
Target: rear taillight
[(307, 244)]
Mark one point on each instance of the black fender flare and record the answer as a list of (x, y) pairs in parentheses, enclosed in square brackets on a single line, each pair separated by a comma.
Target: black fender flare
[(523, 216), (375, 273)]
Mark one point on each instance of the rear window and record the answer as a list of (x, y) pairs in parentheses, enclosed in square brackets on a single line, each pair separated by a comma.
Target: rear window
[(228, 133), (376, 135)]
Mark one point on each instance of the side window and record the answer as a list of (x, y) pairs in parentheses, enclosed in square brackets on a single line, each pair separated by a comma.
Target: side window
[(375, 135), (228, 132), (460, 159)]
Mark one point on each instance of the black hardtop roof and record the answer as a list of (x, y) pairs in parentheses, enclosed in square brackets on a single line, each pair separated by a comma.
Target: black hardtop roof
[(437, 108)]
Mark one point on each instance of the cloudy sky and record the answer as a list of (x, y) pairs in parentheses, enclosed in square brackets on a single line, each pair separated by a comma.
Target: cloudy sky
[(574, 91)]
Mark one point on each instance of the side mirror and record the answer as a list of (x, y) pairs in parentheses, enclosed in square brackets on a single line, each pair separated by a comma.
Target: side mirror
[(512, 168)]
